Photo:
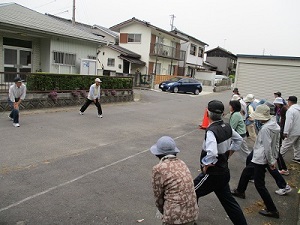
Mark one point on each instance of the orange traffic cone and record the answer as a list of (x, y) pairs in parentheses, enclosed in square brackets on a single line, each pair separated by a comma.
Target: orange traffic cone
[(205, 121)]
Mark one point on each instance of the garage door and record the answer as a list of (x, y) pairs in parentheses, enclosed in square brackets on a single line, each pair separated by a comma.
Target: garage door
[(263, 80)]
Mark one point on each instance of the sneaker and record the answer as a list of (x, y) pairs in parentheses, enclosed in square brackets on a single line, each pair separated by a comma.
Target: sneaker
[(251, 181), (10, 118), (238, 194), (16, 124), (80, 113), (284, 172), (296, 160), (284, 191), (100, 116)]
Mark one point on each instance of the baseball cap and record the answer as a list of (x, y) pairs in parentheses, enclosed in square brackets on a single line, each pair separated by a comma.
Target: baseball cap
[(292, 99), (278, 93), (215, 106), (17, 79), (97, 80)]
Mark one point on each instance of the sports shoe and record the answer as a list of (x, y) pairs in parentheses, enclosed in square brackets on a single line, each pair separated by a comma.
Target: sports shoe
[(80, 113), (284, 191), (10, 118), (100, 116), (238, 194), (16, 124), (267, 213), (284, 172), (296, 160)]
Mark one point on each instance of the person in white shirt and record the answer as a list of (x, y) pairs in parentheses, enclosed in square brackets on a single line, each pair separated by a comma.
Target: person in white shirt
[(16, 94), (93, 96), (291, 132)]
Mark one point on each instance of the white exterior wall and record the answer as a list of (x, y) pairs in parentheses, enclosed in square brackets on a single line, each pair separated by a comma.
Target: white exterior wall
[(263, 77), (103, 56), (81, 49), (206, 75), (142, 48), (45, 55)]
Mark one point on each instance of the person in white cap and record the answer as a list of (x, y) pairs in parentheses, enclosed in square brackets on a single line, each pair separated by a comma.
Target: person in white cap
[(93, 96), (173, 185), (16, 94), (250, 126), (280, 112)]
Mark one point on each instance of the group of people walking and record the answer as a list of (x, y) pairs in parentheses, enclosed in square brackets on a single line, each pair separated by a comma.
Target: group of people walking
[(273, 127)]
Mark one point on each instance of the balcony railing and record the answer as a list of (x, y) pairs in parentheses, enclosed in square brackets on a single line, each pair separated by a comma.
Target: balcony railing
[(166, 51)]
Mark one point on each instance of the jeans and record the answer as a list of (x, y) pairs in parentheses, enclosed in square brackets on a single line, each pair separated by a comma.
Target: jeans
[(88, 102), (14, 114), (259, 182), (205, 184)]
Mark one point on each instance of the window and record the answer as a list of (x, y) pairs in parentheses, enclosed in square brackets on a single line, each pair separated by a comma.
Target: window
[(110, 62), (64, 58), (200, 52), (193, 49), (134, 37)]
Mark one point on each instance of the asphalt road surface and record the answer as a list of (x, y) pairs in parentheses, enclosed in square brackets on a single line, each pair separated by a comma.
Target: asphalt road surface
[(63, 168)]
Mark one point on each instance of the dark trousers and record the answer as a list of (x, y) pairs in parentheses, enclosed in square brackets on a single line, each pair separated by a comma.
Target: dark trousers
[(14, 112), (205, 184), (258, 171), (280, 181), (88, 102)]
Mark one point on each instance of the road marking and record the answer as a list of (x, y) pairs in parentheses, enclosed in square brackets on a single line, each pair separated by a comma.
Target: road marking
[(80, 177)]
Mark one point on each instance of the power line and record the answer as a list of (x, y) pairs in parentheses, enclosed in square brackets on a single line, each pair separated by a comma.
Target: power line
[(44, 4)]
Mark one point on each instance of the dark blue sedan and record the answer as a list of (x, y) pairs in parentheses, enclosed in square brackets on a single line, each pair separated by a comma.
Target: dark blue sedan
[(179, 84)]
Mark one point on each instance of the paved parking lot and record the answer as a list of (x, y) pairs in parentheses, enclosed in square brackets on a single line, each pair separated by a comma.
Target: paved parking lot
[(63, 168)]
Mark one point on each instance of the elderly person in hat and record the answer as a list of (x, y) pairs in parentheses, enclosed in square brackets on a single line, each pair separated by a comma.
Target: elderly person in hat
[(250, 125), (16, 94), (236, 97), (172, 183), (265, 152), (291, 132), (219, 143), (93, 96), (280, 112)]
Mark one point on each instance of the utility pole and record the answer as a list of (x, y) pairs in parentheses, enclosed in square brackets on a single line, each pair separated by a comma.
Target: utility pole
[(73, 16), (172, 21)]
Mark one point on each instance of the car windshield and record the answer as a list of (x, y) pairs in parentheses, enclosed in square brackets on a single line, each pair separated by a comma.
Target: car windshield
[(175, 79)]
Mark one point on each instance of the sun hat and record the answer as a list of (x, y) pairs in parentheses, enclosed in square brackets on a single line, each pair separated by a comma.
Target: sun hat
[(235, 97), (249, 98), (262, 112), (97, 80), (292, 99), (278, 100), (164, 146), (17, 79), (215, 106)]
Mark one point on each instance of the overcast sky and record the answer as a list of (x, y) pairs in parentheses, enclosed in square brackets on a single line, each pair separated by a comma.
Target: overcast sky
[(269, 27)]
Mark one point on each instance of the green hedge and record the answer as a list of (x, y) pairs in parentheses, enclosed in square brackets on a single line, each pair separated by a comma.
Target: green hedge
[(48, 82)]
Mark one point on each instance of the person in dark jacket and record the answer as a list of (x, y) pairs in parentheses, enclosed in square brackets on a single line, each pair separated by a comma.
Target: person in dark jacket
[(220, 142)]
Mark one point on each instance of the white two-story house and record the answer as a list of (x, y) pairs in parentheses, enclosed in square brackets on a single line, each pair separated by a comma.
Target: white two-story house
[(194, 56), (158, 48)]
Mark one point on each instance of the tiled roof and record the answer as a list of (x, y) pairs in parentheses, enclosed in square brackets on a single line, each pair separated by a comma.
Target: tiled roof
[(124, 51), (94, 29), (19, 17), (175, 31)]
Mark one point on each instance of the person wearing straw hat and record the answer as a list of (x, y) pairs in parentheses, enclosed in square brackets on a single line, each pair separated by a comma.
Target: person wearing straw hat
[(219, 143), (265, 152), (173, 185), (250, 126), (16, 94), (93, 96)]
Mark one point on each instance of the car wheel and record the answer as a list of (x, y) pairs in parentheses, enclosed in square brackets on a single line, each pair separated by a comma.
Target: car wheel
[(175, 90), (196, 92), (163, 90)]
